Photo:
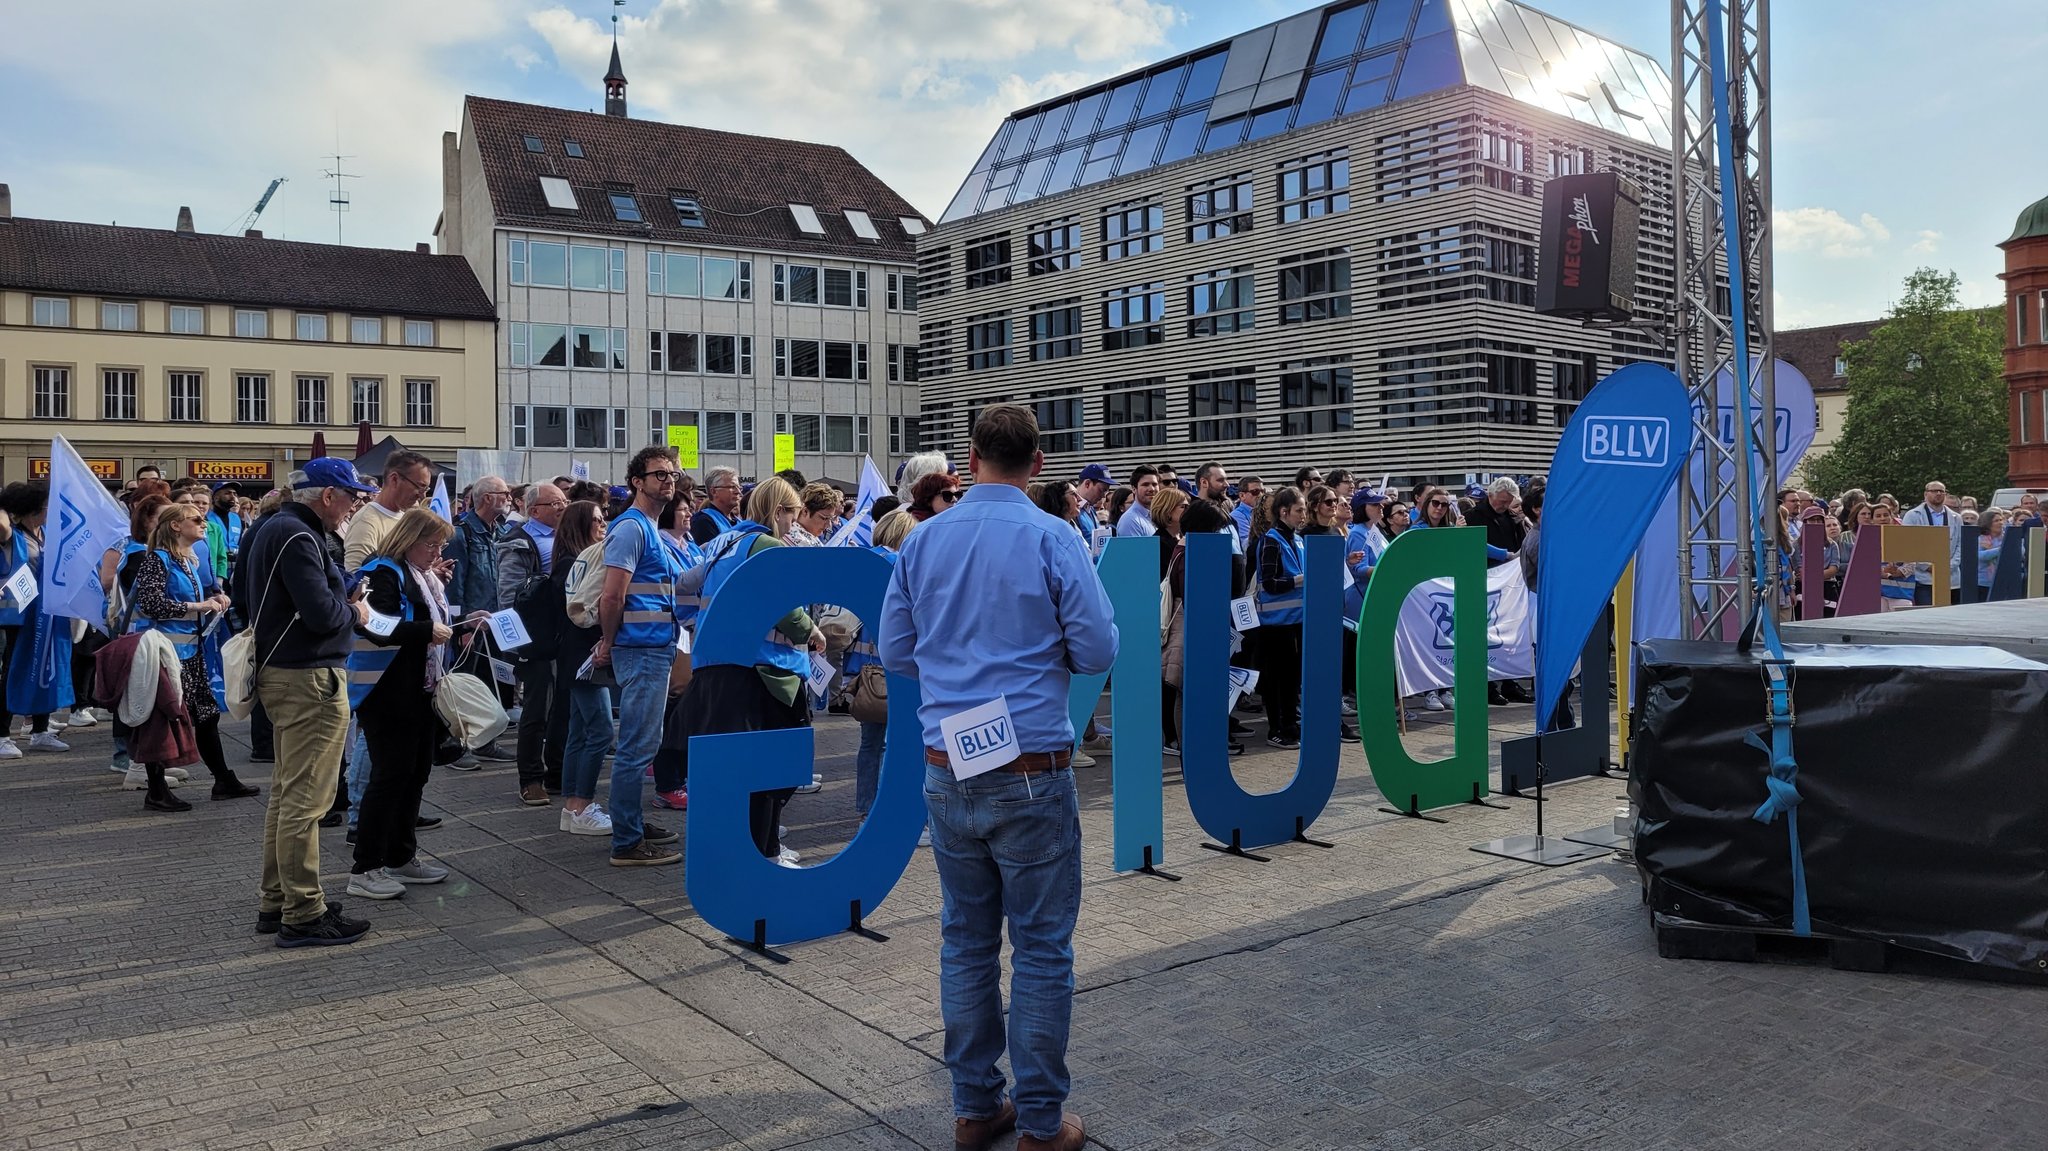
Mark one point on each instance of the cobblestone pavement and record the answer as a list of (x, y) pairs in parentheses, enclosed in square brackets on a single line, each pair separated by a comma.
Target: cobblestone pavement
[(1396, 991)]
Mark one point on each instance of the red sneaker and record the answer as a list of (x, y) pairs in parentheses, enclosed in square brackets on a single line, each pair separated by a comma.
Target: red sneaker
[(677, 800)]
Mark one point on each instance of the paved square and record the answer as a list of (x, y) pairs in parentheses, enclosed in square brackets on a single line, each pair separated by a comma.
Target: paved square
[(1396, 991)]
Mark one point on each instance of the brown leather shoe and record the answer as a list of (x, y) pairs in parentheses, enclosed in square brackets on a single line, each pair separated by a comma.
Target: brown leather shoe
[(981, 1134), (1072, 1135), (534, 795)]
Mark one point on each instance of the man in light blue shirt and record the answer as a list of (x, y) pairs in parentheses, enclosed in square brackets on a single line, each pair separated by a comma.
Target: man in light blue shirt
[(996, 601), (1093, 484), (1137, 519), (1935, 512)]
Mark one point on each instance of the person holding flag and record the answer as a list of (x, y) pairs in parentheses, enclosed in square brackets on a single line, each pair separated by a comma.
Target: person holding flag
[(858, 529), (22, 508)]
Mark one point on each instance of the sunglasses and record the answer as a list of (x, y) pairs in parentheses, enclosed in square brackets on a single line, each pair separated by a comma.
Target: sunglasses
[(1329, 503), (947, 494), (1439, 503)]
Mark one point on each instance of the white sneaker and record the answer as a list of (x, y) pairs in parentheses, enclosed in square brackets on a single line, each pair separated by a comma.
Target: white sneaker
[(512, 715), (137, 779), (816, 785), (924, 838), (375, 884), (1449, 700), (11, 750), (47, 741), (56, 724), (592, 820), (176, 775), (1082, 759), (1347, 707), (1430, 702), (789, 857), (417, 870), (82, 717)]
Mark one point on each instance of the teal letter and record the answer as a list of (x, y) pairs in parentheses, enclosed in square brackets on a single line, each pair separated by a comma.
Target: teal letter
[(1129, 569)]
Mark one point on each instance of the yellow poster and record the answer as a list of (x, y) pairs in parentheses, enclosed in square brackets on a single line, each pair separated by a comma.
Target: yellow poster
[(684, 440), (785, 452)]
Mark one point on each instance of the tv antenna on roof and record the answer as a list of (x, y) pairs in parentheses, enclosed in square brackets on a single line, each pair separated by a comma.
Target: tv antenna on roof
[(337, 200)]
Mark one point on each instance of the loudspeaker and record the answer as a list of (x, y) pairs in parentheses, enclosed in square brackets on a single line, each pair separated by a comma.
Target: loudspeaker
[(1586, 266)]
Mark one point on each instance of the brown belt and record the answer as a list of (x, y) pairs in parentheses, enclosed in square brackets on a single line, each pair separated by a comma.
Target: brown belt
[(1024, 764)]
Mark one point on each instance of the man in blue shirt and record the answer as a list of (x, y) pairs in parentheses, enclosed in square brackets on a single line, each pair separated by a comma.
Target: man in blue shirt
[(1250, 490), (1093, 484), (1137, 519), (1006, 840)]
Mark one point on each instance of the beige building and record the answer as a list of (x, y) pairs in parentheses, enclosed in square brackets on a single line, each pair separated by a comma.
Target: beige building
[(1818, 354), (222, 356)]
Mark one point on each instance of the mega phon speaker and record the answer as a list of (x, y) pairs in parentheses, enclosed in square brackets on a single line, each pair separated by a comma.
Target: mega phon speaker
[(1586, 268)]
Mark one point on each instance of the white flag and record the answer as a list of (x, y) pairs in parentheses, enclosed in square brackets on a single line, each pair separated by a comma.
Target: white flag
[(442, 507), (84, 522), (1422, 641), (859, 528)]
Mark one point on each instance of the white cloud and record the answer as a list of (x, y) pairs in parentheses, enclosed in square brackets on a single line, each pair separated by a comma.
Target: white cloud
[(1928, 243), (1827, 232)]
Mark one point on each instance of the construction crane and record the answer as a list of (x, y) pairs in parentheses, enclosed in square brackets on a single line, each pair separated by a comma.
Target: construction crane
[(249, 221)]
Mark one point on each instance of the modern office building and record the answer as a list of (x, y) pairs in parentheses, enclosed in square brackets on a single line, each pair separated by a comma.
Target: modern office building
[(652, 276), (223, 356), (1312, 243)]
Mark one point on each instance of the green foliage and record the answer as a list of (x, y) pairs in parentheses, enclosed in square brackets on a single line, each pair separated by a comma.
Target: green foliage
[(1927, 400)]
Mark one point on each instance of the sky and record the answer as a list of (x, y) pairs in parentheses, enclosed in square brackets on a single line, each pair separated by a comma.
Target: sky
[(1901, 127)]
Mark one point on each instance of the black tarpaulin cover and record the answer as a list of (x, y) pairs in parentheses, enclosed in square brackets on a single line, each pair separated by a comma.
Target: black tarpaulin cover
[(1923, 818)]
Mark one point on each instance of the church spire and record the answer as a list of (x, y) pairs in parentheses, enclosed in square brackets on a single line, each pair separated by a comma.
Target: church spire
[(615, 77)]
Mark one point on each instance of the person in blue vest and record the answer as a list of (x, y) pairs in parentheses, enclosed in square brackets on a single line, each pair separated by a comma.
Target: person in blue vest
[(1279, 598), (169, 597), (224, 527), (890, 533), (38, 650), (21, 511), (767, 693), (393, 667), (721, 510)]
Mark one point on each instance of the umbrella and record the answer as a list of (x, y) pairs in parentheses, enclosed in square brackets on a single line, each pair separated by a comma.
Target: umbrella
[(363, 440), (319, 444)]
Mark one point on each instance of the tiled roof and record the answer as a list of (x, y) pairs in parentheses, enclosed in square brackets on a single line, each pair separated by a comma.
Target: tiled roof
[(1813, 350), (157, 263), (745, 183)]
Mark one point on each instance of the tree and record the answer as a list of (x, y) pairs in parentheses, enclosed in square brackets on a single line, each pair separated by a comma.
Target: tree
[(1927, 399)]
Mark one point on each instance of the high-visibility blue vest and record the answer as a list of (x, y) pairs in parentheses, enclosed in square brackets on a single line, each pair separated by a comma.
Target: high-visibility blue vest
[(649, 618), (688, 555), (368, 659), (862, 652), (1286, 607), (180, 586), (776, 648), (15, 556), (718, 517)]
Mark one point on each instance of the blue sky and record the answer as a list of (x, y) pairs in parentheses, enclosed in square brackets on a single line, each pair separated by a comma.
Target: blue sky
[(1902, 128)]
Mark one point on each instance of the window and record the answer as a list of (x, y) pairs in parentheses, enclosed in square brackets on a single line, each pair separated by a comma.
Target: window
[(672, 352), (795, 284), (252, 324), (988, 341), (625, 207), (729, 355), (572, 149), (988, 261), (539, 264), (419, 333), (1121, 410), (935, 271), (1132, 229), (52, 394), (1315, 286), (559, 195), (1504, 156), (52, 312), (522, 426), (252, 398), (1219, 209), (845, 361), (311, 326), (804, 428), (1318, 186), (862, 224), (599, 428), (798, 358), (602, 348), (904, 436), (117, 316), (1570, 380), (672, 274), (661, 421), (366, 400), (366, 329), (1230, 396), (1310, 392), (117, 394), (1059, 420), (806, 218), (727, 279), (903, 363), (540, 345), (597, 269), (1570, 160), (1133, 317), (1056, 330), (419, 403), (186, 389), (935, 349), (729, 431), (1055, 247), (839, 434), (550, 427), (902, 292), (689, 213), (911, 225), (188, 320), (1220, 302), (312, 399), (845, 288), (1841, 366), (533, 144)]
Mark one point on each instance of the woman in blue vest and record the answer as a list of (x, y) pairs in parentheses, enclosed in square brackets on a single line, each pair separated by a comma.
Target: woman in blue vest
[(168, 598), (769, 693), (1280, 602), (38, 650), (398, 659)]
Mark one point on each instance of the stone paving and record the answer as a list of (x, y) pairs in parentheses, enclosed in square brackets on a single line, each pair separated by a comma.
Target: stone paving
[(1396, 991)]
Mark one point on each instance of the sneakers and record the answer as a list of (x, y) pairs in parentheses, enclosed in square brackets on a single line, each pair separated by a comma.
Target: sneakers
[(415, 871), (1432, 701), (47, 741), (533, 795), (1284, 743), (330, 930), (789, 858), (592, 820), (1346, 733), (677, 800), (425, 822), (82, 717), (656, 833), (1347, 706), (375, 884), (136, 778), (119, 765), (492, 753), (924, 838), (645, 854), (816, 785), (9, 749), (1171, 750), (1082, 759), (466, 762)]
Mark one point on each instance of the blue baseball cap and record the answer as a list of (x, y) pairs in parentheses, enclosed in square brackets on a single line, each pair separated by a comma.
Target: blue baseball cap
[(619, 492), (332, 472), (1364, 498), (1476, 491), (1097, 472)]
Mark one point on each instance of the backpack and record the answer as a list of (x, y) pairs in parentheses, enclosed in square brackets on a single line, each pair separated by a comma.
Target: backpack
[(586, 586), (536, 602)]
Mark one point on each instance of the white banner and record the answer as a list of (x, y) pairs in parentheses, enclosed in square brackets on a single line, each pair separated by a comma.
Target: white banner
[(1422, 642), (858, 529), (82, 524)]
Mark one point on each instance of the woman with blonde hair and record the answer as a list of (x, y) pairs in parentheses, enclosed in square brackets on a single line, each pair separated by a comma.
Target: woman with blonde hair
[(398, 660), (1167, 507), (167, 599)]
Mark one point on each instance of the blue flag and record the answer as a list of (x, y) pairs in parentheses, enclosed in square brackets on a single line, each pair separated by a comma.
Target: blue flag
[(1614, 462), (439, 502), (859, 528), (84, 522)]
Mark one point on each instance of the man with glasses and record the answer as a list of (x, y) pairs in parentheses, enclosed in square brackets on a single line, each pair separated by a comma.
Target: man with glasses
[(407, 481), (721, 511), (1250, 491), (1934, 512), (524, 557)]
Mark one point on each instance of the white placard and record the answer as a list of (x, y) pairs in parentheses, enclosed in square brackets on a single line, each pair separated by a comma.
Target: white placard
[(380, 624), (1244, 613), (212, 624), (1242, 679), (22, 587), (503, 672), (509, 630), (683, 640), (821, 674), (1350, 581), (1236, 641), (579, 469), (980, 739)]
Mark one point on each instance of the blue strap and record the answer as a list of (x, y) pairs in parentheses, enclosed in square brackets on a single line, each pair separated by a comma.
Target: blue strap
[(1781, 784)]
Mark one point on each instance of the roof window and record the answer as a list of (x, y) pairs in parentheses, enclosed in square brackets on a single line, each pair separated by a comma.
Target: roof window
[(533, 144), (572, 148), (560, 197), (689, 213), (912, 226), (807, 219), (861, 224), (626, 208)]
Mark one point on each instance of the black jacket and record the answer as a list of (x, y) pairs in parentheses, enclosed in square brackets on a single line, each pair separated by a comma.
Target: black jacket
[(404, 683), (305, 618), (1504, 530)]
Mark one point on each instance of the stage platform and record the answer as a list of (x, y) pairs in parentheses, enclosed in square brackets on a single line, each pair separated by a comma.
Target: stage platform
[(2018, 626)]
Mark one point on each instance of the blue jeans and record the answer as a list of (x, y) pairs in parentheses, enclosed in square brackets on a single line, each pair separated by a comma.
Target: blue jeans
[(358, 774), (1007, 847), (642, 673), (590, 732), (867, 767)]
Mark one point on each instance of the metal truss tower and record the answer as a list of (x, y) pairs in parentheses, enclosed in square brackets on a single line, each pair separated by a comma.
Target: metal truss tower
[(1718, 503)]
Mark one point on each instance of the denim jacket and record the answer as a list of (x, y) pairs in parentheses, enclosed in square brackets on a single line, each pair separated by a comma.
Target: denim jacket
[(475, 584)]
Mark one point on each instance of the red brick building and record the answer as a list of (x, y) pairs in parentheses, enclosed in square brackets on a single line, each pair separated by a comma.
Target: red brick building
[(2026, 348)]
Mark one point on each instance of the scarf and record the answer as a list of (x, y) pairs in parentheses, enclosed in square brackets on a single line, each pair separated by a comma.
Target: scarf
[(437, 607)]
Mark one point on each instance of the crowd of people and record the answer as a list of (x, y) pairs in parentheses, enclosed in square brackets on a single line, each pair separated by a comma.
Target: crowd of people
[(1976, 538)]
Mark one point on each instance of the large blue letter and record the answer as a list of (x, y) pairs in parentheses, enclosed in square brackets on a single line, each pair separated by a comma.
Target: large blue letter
[(1129, 570), (731, 885)]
